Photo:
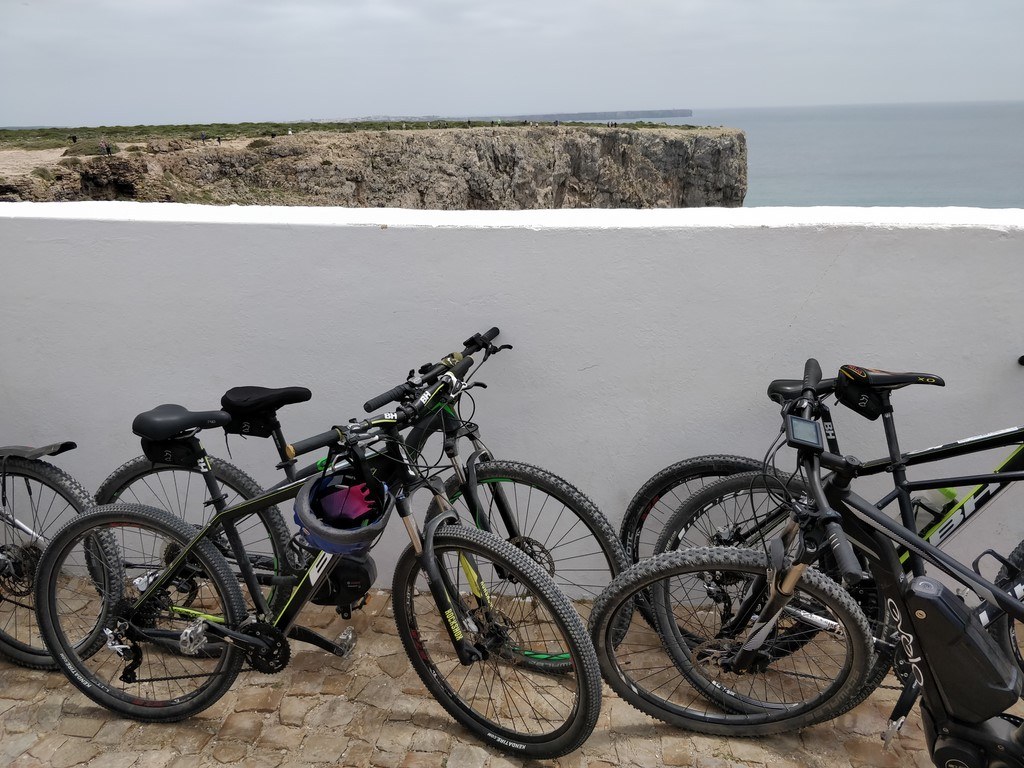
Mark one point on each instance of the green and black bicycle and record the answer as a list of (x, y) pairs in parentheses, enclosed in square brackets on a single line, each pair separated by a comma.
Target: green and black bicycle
[(146, 617)]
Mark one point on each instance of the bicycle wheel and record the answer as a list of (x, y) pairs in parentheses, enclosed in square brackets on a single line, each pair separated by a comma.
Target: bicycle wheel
[(1009, 634), (183, 493), (35, 499), (659, 498), (681, 674), (508, 699), (557, 526), (130, 660), (748, 510)]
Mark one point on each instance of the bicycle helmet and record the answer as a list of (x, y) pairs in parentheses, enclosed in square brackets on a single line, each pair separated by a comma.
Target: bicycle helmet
[(340, 518)]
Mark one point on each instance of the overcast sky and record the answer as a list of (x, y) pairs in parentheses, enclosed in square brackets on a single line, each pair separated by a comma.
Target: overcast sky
[(118, 62)]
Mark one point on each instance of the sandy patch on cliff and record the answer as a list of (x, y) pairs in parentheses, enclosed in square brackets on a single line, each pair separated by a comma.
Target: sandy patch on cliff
[(19, 162)]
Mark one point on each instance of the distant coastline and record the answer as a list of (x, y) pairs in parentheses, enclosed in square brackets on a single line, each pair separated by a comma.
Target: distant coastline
[(569, 117), (641, 114)]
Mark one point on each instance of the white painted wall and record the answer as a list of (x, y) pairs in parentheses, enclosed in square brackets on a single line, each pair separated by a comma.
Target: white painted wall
[(641, 337)]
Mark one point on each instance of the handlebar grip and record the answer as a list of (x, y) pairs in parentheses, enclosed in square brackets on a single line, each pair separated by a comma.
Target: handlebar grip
[(312, 443), (396, 393), (461, 368), (472, 344), (849, 566), (812, 373)]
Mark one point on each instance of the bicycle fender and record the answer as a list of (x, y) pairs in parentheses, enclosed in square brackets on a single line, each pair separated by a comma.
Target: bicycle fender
[(27, 452)]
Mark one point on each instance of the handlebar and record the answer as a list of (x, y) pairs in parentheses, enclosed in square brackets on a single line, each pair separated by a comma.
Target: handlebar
[(473, 344), (407, 412), (313, 443), (812, 375)]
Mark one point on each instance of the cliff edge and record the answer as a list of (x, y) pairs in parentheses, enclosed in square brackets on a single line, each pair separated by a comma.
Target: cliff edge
[(455, 168)]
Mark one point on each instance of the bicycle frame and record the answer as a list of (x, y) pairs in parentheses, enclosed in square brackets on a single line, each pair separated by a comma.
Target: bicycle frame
[(323, 563)]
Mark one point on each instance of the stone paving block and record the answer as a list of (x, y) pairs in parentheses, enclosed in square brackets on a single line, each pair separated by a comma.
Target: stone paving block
[(241, 726), (115, 731), (677, 750), (15, 746), (115, 760), (293, 709), (281, 737), (424, 760), (324, 748), (466, 756), (74, 752), (431, 741), (259, 699), (81, 726), (229, 751)]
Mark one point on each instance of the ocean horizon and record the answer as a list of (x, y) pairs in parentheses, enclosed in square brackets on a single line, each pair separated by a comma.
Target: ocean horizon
[(949, 154)]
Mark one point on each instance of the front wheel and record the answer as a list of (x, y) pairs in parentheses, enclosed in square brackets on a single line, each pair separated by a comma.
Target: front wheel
[(537, 691), (548, 519), (815, 661), (129, 658)]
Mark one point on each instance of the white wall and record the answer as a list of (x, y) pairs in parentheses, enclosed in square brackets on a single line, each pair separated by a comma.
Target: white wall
[(641, 337)]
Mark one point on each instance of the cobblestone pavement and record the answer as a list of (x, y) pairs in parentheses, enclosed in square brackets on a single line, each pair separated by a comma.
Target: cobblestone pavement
[(372, 710)]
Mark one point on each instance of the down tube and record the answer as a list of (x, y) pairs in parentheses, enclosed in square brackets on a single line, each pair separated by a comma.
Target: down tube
[(862, 510)]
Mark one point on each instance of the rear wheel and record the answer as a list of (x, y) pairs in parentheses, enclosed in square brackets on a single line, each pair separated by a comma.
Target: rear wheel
[(182, 492), (36, 498), (537, 691), (130, 659)]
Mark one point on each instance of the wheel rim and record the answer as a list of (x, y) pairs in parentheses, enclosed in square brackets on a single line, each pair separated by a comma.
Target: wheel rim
[(92, 588), (550, 534), (527, 688), (43, 509)]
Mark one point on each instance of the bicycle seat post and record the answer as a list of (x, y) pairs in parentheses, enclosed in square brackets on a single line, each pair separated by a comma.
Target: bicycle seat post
[(286, 463)]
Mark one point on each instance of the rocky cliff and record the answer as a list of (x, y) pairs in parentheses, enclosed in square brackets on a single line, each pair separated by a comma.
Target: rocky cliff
[(465, 168)]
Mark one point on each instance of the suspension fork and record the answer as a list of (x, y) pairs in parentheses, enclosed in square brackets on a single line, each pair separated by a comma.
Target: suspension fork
[(781, 583), (456, 620)]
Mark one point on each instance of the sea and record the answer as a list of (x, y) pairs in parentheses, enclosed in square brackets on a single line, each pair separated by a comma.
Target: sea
[(969, 154)]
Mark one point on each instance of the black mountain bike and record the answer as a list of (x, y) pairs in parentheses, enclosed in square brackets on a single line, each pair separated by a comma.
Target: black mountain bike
[(737, 624), (661, 498), (35, 498), (146, 617), (537, 511)]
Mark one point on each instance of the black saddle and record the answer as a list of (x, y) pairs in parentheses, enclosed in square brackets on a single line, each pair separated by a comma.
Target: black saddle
[(169, 420), (242, 401), (879, 380), (784, 390), (866, 390)]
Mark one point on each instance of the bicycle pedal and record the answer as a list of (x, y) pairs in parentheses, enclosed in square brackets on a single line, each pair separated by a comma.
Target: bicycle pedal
[(346, 642), (890, 733)]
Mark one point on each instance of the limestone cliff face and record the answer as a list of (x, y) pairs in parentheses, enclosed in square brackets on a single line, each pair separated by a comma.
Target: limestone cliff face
[(465, 168)]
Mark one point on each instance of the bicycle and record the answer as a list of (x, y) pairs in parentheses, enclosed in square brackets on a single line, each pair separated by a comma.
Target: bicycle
[(762, 619), (35, 496), (159, 632), (744, 510), (539, 512)]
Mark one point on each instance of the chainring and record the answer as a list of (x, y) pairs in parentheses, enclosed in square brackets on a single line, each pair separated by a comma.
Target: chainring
[(276, 657)]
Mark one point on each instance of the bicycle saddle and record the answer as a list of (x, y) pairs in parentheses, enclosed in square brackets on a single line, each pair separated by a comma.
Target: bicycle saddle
[(784, 390), (239, 401), (168, 420), (874, 379)]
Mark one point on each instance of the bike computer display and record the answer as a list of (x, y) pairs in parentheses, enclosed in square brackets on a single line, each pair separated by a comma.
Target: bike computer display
[(803, 433)]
